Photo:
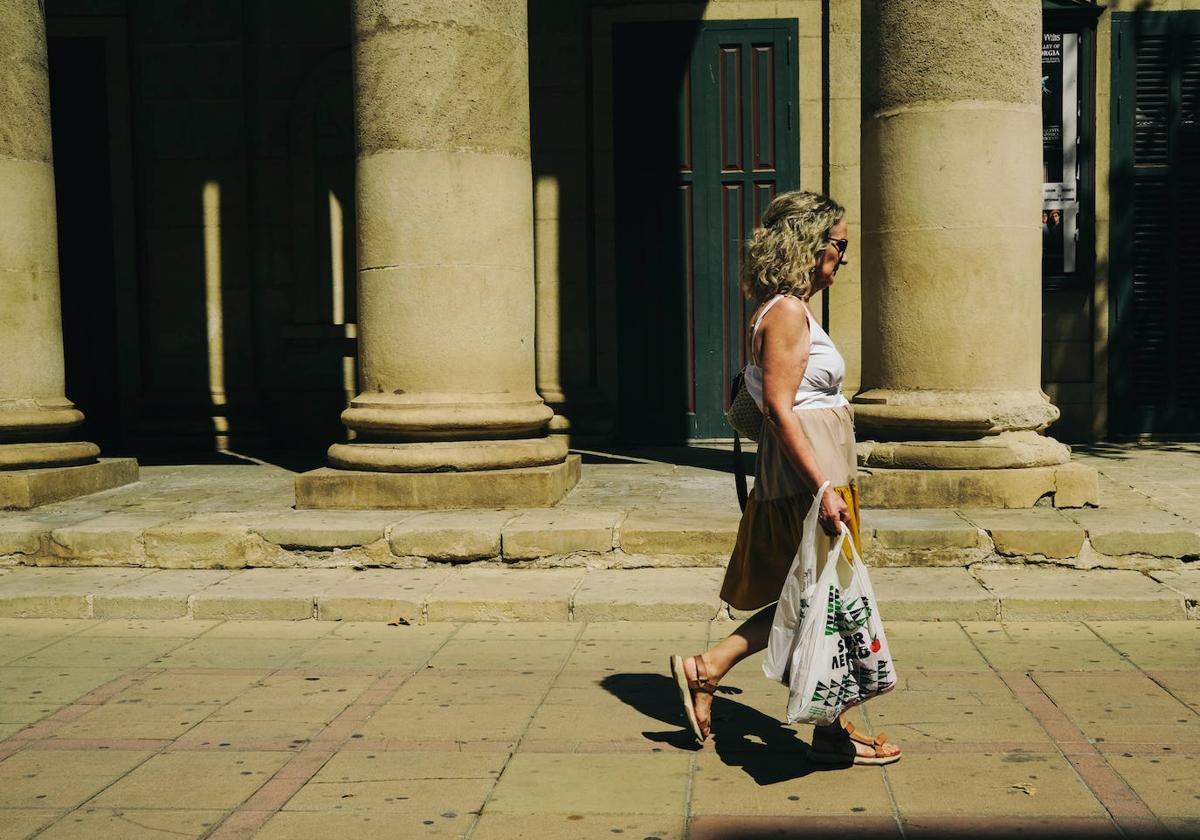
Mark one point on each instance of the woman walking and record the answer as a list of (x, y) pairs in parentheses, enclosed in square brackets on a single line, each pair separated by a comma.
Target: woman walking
[(795, 376)]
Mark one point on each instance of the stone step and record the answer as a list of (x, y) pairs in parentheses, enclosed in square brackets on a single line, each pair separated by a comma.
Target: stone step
[(476, 593), (1143, 538)]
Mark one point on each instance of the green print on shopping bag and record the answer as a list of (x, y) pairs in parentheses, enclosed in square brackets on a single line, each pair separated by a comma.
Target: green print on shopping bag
[(855, 614), (837, 693), (833, 607)]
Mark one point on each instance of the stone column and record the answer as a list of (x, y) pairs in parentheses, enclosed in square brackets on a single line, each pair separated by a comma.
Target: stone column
[(39, 461), (951, 179), (448, 415)]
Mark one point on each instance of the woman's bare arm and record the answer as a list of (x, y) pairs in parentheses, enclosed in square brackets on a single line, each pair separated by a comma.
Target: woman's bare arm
[(783, 357)]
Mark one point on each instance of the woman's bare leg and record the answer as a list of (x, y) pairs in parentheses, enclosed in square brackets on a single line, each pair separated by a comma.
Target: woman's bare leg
[(749, 638)]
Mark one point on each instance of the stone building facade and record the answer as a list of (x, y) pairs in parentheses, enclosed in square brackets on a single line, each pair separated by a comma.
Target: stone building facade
[(436, 236)]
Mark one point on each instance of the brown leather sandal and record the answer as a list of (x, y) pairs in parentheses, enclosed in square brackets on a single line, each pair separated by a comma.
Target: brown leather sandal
[(687, 687), (842, 756)]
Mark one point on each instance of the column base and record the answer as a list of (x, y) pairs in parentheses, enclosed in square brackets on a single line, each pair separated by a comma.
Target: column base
[(890, 414), (34, 456), (1006, 450), (333, 489), (1066, 485), (448, 456), (30, 488)]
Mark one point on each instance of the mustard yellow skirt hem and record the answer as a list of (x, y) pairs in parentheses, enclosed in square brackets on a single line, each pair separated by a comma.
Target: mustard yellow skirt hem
[(768, 536)]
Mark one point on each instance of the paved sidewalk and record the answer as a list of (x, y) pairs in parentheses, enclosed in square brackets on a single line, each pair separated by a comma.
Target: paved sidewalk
[(628, 511), (548, 730)]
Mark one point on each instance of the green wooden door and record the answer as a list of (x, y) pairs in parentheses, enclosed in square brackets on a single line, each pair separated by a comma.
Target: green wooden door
[(1154, 359), (705, 134)]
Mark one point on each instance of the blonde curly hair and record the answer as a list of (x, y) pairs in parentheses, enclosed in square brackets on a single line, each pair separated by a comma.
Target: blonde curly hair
[(782, 253)]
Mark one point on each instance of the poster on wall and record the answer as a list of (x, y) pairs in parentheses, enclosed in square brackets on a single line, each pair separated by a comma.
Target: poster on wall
[(1060, 138)]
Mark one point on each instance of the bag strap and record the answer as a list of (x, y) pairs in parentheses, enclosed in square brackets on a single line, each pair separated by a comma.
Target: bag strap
[(739, 467), (739, 472)]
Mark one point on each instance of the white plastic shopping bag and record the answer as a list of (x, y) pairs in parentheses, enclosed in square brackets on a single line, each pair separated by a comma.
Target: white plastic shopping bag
[(841, 656), (793, 600)]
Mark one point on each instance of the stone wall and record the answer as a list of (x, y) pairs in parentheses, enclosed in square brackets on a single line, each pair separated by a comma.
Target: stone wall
[(245, 304)]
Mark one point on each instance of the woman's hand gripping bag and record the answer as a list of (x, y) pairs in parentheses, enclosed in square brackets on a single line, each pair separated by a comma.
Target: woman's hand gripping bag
[(793, 599), (841, 658)]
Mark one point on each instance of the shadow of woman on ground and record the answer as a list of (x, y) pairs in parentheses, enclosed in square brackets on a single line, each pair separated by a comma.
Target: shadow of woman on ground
[(742, 736)]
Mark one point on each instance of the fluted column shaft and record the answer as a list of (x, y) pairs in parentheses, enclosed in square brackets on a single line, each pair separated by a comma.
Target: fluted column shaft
[(951, 175), (35, 414), (445, 238)]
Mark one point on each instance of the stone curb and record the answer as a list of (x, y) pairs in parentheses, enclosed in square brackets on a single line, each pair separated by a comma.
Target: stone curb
[(1139, 540), (498, 594)]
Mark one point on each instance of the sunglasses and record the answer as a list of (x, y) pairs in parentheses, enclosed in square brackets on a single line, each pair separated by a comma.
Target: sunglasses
[(840, 244)]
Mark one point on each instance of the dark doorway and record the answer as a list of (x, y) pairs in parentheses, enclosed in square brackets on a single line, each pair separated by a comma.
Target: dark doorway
[(705, 133), (80, 121)]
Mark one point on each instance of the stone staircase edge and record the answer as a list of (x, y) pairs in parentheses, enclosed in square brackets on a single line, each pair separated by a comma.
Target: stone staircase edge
[(299, 605)]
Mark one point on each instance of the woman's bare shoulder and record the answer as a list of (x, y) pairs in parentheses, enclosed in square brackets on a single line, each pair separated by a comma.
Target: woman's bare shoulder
[(789, 313)]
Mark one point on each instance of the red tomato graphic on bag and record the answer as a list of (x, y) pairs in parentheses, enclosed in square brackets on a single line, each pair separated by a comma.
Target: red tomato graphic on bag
[(875, 646)]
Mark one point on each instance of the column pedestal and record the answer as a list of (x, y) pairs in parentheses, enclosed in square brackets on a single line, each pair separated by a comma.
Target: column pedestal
[(26, 489), (361, 490)]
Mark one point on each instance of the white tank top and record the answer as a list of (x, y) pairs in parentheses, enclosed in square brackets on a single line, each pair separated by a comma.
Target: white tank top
[(821, 386)]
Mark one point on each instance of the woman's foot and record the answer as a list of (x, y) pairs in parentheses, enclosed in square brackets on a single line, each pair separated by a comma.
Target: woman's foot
[(840, 743), (696, 686)]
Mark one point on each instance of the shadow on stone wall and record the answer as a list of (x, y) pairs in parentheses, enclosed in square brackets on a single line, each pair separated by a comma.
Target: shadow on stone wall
[(241, 305)]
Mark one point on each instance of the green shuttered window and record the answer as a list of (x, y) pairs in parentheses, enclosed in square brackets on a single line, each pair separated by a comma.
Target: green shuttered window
[(1155, 309)]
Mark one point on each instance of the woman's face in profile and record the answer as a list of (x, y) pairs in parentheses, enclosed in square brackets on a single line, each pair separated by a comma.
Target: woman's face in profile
[(830, 258)]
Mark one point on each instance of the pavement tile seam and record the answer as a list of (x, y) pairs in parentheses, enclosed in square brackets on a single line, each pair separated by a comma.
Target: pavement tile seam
[(192, 596), (1189, 602), (240, 825), (997, 606), (889, 788), (571, 600), (690, 786), (529, 722), (47, 726), (1057, 724), (68, 744), (1108, 787), (30, 652), (1126, 807), (1130, 749), (36, 736), (270, 797), (1147, 674)]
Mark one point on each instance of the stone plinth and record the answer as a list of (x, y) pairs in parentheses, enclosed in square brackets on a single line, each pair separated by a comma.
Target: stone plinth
[(363, 490), (25, 489), (1066, 485)]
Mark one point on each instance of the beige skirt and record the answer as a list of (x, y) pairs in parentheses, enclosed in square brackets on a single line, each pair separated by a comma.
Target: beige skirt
[(773, 522)]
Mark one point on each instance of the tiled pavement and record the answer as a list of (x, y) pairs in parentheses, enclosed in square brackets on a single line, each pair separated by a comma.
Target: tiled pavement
[(306, 729)]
